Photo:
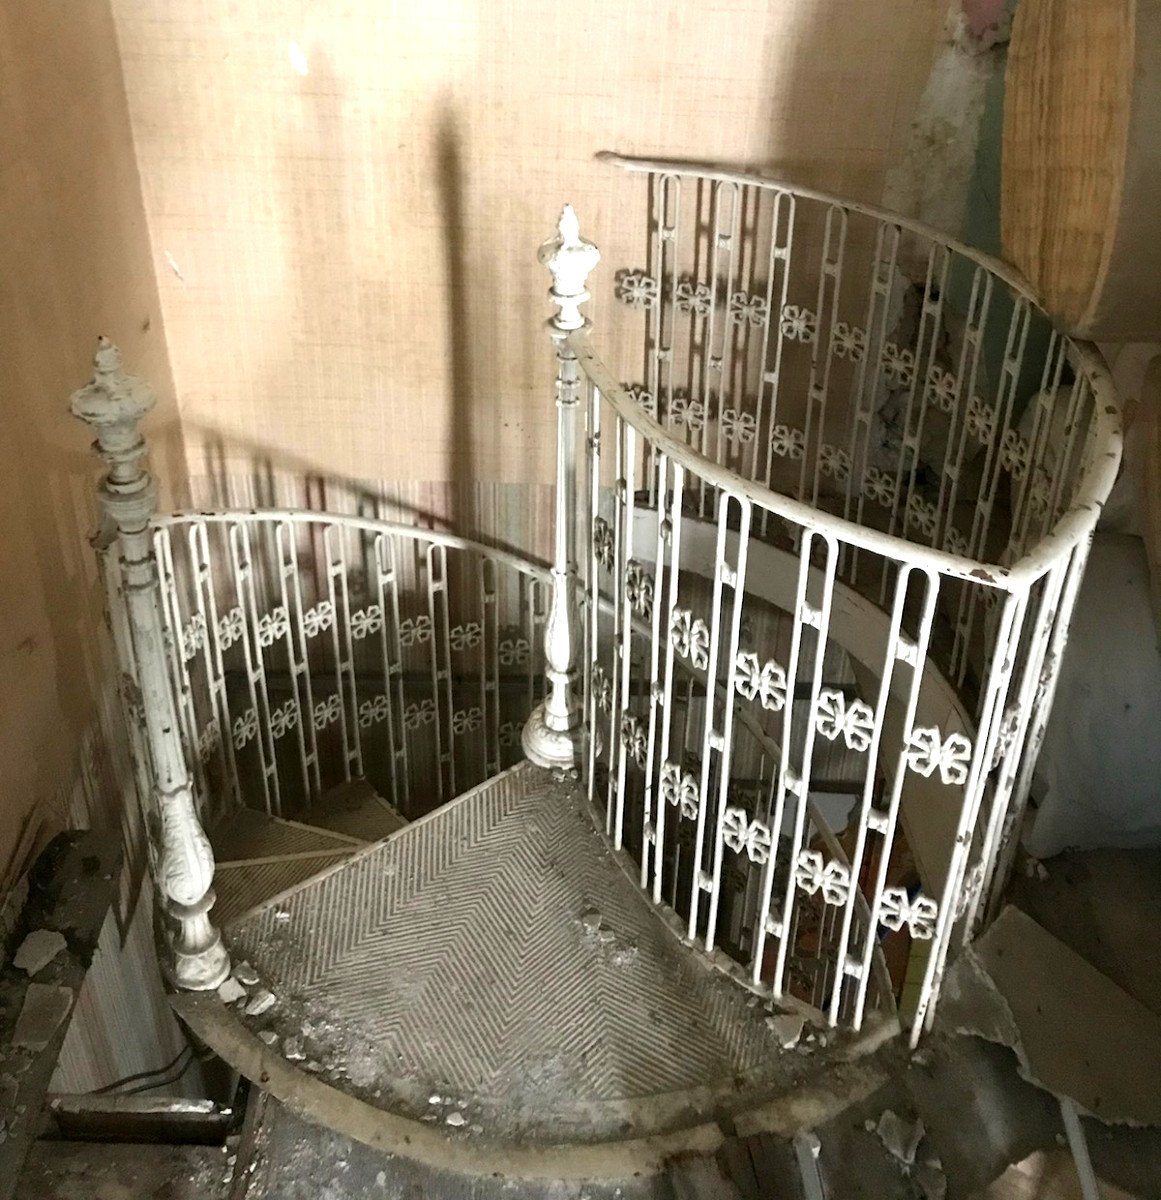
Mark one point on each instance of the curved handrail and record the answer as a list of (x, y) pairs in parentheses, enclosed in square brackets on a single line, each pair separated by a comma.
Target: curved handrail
[(415, 533), (717, 171), (1070, 528)]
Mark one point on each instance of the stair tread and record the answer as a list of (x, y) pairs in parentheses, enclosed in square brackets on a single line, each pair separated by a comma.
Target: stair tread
[(356, 810), (453, 960), (242, 887), (60, 1170), (246, 834)]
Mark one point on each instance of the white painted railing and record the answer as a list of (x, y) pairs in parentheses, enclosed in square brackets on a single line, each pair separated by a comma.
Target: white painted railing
[(811, 582), (311, 648), (872, 443)]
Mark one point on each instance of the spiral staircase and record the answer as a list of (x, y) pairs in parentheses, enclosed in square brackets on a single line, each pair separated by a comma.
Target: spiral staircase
[(562, 876)]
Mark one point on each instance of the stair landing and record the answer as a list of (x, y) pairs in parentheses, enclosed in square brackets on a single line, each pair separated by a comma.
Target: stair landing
[(492, 970)]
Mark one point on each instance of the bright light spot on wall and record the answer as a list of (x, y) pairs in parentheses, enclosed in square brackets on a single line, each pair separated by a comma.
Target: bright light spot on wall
[(298, 59)]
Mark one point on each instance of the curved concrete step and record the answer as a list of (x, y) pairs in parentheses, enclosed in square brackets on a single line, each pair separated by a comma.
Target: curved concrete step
[(489, 983), (356, 810), (259, 856)]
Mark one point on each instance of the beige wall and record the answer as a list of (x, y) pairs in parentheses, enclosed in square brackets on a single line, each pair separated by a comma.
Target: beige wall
[(74, 262), (346, 259)]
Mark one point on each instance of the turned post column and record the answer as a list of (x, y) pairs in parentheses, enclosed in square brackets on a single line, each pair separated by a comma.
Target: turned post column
[(113, 404), (552, 733)]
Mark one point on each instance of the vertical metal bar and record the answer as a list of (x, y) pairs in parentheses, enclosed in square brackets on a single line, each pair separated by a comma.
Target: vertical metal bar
[(733, 577), (391, 657), (1043, 697), (870, 368), (829, 283), (489, 666), (915, 654), (772, 376), (287, 575), (206, 592), (255, 670), (996, 689), (298, 612), (656, 696), (818, 618), (721, 266), (436, 569), (673, 582), (626, 438), (1026, 711), (895, 644), (334, 544), (593, 444)]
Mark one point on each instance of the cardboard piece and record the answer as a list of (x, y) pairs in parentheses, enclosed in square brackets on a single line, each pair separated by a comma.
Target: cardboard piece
[(1074, 1032)]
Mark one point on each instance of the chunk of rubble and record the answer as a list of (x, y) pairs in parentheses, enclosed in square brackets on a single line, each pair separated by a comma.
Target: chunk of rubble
[(268, 1036), (231, 991), (787, 1028), (901, 1137), (38, 950), (263, 1002), (456, 1119), (293, 1050), (245, 974)]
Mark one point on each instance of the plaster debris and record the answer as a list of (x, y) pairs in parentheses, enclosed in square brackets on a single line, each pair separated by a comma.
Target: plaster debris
[(263, 1002), (381, 1179), (456, 1119), (231, 991), (38, 950), (293, 1049), (787, 1028), (268, 1036), (45, 1007), (901, 1137), (435, 1098), (591, 919), (605, 933), (245, 974)]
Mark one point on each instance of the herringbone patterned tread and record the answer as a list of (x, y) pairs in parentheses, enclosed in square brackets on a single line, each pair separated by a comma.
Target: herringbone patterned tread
[(496, 954)]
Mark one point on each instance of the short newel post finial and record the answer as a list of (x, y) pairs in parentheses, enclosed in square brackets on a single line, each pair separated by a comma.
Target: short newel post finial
[(113, 404), (552, 734)]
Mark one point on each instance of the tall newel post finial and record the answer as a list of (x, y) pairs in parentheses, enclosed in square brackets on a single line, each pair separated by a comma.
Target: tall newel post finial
[(113, 404), (552, 734)]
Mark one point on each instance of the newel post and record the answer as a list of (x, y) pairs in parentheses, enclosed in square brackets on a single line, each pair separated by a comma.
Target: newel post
[(552, 733), (113, 404)]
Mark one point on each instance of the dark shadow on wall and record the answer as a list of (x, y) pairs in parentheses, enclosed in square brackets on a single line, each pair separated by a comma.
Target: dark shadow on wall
[(321, 267), (458, 286)]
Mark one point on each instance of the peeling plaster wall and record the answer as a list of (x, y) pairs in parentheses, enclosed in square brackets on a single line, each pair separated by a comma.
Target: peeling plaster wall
[(949, 175)]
